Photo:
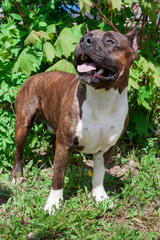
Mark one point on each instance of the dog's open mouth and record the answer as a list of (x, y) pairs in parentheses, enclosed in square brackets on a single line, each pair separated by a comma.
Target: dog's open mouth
[(87, 67)]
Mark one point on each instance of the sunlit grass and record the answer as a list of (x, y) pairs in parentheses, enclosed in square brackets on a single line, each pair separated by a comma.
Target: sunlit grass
[(135, 214)]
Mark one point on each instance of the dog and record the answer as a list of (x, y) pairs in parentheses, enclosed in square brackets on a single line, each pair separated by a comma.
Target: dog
[(88, 111)]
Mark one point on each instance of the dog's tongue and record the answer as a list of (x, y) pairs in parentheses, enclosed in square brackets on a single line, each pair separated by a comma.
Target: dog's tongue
[(86, 67)]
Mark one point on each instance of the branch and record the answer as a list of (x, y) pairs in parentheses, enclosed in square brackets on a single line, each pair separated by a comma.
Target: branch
[(21, 13), (155, 35), (56, 34), (111, 10), (141, 37), (134, 19), (104, 18), (127, 21), (148, 36)]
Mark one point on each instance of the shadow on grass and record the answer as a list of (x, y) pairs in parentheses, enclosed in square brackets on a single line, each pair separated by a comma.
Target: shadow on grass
[(78, 177), (44, 234), (5, 193)]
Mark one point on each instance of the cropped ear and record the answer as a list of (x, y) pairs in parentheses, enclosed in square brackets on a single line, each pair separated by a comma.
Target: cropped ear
[(86, 27), (133, 37)]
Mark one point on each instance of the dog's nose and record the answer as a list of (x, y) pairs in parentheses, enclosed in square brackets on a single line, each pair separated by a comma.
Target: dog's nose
[(86, 41)]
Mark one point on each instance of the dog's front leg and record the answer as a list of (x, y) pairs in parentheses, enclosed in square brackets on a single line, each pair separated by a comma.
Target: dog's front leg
[(100, 161), (59, 168), (98, 175)]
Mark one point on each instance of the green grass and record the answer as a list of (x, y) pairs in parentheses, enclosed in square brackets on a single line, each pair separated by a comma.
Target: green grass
[(135, 215)]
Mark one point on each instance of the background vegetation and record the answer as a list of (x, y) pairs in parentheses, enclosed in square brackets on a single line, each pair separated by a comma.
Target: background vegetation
[(37, 36)]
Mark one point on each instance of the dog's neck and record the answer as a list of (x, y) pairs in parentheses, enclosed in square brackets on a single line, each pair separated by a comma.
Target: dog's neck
[(100, 102), (100, 97)]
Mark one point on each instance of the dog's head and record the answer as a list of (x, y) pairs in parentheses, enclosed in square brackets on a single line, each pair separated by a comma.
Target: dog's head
[(103, 59)]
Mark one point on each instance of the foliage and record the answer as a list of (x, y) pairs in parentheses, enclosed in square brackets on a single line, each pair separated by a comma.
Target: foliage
[(34, 40)]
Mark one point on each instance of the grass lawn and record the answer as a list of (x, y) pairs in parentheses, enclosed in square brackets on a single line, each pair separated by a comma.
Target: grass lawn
[(133, 184)]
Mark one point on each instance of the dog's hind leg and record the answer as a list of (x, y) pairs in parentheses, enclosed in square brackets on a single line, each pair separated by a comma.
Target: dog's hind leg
[(25, 116)]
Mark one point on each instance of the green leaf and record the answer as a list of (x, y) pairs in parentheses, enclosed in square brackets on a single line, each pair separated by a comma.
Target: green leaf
[(141, 125), (30, 164), (52, 5), (133, 79), (145, 95), (7, 97), (76, 32), (15, 51), (51, 28), (2, 129), (145, 104), (146, 65), (116, 4), (44, 35), (64, 44), (85, 5), (102, 26), (32, 39), (4, 86), (7, 5), (62, 65), (16, 16), (133, 83), (67, 40), (128, 2), (49, 51), (34, 141), (42, 24), (156, 77), (27, 62), (149, 7), (4, 144), (9, 140)]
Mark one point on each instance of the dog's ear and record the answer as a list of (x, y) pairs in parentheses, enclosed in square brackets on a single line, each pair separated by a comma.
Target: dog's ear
[(86, 27), (133, 37)]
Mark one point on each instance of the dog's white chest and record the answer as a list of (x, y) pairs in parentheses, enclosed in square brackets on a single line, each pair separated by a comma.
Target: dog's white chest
[(103, 116)]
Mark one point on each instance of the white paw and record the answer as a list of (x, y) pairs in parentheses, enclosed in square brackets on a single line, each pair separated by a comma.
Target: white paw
[(100, 195), (17, 180), (54, 201)]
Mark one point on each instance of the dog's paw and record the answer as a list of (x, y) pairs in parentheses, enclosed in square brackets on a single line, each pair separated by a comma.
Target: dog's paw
[(16, 181), (51, 207), (54, 201), (100, 195)]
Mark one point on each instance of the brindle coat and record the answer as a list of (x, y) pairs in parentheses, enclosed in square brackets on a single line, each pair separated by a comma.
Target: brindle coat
[(59, 97)]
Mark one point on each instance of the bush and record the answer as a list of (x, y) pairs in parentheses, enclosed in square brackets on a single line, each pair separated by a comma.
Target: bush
[(39, 36)]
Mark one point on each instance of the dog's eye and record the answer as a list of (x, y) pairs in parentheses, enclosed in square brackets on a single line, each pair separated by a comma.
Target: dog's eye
[(110, 41)]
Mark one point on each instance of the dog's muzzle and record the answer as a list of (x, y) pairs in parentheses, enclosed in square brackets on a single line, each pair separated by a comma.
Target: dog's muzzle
[(87, 67)]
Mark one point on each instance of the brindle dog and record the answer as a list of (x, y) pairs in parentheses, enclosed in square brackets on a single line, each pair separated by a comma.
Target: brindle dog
[(88, 111)]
